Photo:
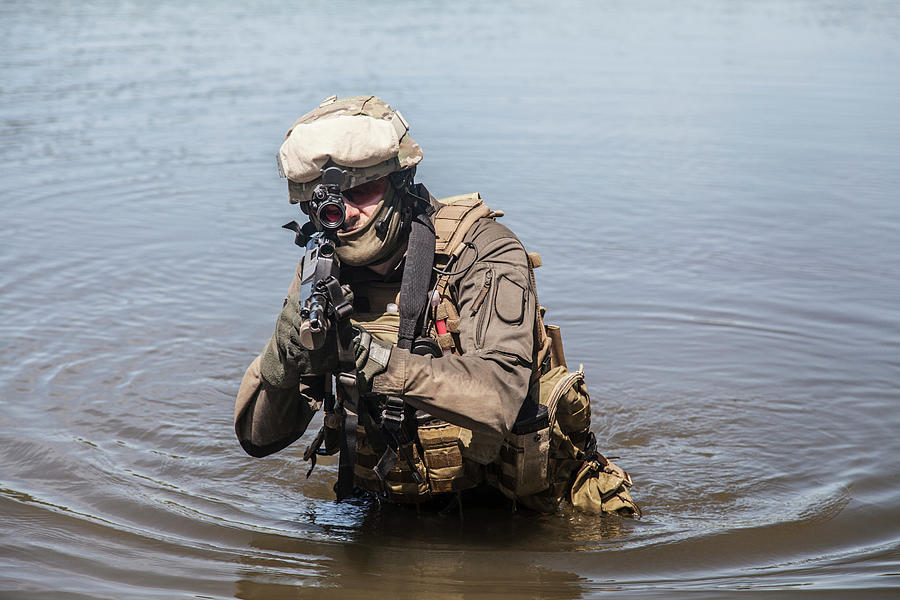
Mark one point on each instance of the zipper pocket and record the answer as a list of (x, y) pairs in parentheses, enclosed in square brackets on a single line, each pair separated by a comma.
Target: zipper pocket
[(476, 306), (479, 300)]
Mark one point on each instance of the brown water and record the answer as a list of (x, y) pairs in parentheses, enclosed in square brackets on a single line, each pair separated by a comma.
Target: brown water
[(713, 188)]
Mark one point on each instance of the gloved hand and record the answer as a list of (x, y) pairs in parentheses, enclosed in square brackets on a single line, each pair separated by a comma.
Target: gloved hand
[(284, 359), (371, 358)]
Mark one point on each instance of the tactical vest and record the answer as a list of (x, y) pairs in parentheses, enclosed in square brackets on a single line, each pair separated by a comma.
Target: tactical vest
[(543, 454)]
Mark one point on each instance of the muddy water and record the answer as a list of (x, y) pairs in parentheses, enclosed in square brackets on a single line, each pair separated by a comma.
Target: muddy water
[(712, 186)]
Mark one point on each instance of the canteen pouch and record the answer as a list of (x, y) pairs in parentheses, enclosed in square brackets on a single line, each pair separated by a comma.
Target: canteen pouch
[(601, 487)]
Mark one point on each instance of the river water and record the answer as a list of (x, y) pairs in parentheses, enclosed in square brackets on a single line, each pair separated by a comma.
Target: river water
[(713, 187)]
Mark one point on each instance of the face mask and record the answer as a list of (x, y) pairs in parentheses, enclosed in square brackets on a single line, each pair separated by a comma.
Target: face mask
[(364, 246)]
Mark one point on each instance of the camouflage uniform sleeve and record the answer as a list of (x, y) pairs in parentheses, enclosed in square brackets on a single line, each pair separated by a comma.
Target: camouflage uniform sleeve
[(483, 389), (266, 418)]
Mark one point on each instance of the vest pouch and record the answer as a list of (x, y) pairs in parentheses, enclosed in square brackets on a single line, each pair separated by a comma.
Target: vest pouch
[(382, 326), (400, 481), (442, 454), (399, 484), (525, 453), (563, 395)]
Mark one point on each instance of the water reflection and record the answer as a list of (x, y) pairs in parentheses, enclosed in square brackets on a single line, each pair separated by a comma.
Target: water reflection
[(372, 566), (429, 552)]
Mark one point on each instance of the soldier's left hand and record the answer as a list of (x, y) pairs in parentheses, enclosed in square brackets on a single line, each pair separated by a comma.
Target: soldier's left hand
[(372, 357)]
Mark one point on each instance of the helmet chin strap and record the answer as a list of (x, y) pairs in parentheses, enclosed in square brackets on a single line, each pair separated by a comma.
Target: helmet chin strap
[(402, 182), (382, 224)]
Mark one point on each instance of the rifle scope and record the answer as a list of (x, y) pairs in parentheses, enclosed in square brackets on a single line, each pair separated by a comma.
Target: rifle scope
[(327, 202)]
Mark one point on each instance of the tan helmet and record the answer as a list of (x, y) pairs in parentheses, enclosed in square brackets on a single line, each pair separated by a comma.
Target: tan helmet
[(362, 134)]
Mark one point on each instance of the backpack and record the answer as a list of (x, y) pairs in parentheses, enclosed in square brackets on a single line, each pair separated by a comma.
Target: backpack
[(550, 455)]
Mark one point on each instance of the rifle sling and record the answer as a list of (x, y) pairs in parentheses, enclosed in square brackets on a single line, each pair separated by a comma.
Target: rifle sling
[(398, 418), (417, 271), (413, 300), (347, 460)]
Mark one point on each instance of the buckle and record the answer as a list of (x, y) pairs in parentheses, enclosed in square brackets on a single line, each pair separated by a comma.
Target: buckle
[(545, 364), (392, 415)]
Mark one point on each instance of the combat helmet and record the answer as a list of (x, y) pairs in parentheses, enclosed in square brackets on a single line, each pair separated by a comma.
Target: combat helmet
[(361, 134), (368, 140)]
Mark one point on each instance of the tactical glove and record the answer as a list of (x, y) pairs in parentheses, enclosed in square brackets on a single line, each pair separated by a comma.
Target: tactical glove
[(285, 359), (371, 358)]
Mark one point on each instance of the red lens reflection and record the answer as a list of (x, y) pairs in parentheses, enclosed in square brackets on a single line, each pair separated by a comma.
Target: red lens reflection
[(331, 214)]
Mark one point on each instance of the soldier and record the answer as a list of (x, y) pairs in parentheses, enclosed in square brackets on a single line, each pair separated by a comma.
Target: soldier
[(453, 380)]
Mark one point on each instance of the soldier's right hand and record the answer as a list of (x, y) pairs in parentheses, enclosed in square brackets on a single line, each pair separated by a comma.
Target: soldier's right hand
[(285, 359)]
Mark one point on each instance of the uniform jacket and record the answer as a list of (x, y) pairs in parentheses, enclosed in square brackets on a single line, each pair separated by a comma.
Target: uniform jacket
[(481, 390)]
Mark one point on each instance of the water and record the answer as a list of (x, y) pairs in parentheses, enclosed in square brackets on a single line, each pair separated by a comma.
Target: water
[(712, 187)]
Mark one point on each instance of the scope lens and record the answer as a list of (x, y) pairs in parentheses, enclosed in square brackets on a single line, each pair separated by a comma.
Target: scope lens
[(331, 214)]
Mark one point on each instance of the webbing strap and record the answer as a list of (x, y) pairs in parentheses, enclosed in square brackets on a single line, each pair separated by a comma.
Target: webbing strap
[(342, 311), (417, 272), (541, 350), (347, 461)]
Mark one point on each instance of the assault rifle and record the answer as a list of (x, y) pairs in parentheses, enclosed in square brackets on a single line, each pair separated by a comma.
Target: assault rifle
[(323, 303)]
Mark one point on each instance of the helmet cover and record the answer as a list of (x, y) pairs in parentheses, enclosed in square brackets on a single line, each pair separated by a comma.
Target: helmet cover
[(361, 134)]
